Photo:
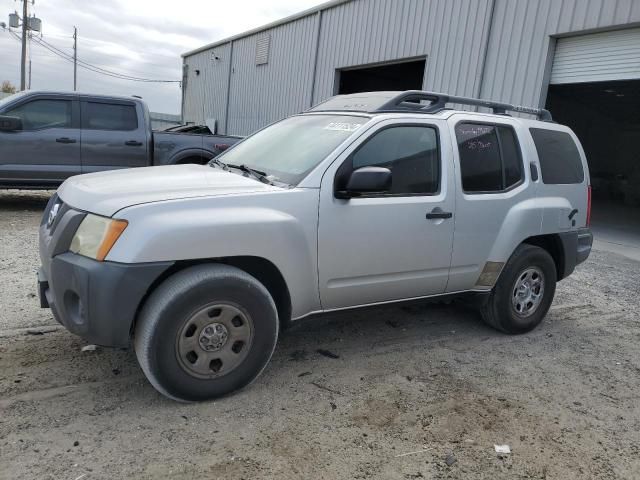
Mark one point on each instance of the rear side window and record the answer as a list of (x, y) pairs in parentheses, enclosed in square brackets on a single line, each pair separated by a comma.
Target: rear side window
[(490, 159), (560, 160), (40, 114), (109, 116)]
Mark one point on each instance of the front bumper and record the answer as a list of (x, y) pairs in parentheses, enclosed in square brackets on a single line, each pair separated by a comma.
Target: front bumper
[(96, 300)]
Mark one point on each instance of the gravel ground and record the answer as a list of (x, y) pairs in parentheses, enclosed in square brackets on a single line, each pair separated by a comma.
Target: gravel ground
[(415, 393)]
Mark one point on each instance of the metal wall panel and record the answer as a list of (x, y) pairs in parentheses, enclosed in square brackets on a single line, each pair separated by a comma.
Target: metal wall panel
[(450, 33), (597, 57), (523, 38), (262, 94), (206, 94)]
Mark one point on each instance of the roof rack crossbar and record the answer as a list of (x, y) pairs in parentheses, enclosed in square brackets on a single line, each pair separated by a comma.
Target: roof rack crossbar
[(439, 101)]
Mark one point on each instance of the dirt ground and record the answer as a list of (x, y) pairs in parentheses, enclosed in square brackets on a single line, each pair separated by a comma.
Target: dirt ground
[(415, 393)]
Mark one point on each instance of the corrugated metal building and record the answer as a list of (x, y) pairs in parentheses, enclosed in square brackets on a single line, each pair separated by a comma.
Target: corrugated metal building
[(497, 49), (580, 58)]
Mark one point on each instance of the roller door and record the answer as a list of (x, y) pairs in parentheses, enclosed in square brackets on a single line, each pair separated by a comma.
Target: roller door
[(597, 57)]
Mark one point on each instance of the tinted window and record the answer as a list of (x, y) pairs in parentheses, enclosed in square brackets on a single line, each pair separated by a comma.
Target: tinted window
[(560, 160), (106, 116), (39, 114), (410, 152), (489, 157)]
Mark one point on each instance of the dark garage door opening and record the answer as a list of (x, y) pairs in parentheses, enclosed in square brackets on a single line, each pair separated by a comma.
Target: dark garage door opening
[(606, 118), (397, 76)]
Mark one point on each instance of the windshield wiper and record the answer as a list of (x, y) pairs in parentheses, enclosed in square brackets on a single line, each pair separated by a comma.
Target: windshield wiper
[(219, 163), (259, 175), (262, 176)]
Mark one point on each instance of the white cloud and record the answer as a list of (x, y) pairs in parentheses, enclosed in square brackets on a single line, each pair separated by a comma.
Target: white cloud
[(141, 38)]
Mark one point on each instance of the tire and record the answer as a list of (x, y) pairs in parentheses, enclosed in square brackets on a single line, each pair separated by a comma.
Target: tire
[(521, 311), (171, 334)]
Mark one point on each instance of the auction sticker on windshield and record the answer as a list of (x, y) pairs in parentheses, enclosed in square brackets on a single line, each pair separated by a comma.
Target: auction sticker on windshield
[(343, 126)]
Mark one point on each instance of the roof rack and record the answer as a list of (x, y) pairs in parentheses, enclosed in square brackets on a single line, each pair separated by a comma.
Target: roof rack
[(379, 102), (406, 101)]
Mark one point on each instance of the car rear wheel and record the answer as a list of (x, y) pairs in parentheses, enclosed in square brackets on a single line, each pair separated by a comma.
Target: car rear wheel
[(523, 293), (205, 332)]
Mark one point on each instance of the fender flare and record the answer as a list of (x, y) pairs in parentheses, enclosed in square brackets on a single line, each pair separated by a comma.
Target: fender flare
[(191, 152)]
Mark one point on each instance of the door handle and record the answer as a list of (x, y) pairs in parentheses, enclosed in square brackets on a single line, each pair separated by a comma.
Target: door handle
[(437, 213), (534, 172), (133, 143), (65, 140)]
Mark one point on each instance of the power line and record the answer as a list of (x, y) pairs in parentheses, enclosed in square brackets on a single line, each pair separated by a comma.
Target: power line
[(96, 68), (88, 66)]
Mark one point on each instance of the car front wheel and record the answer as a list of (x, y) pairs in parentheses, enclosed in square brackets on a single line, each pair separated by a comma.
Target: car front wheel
[(205, 332)]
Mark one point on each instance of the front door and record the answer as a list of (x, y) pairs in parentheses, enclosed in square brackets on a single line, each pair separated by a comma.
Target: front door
[(47, 149), (386, 247)]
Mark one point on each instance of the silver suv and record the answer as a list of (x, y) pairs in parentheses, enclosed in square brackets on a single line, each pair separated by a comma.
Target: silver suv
[(366, 199)]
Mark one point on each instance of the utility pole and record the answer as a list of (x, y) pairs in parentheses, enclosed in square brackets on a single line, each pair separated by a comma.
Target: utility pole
[(75, 58), (25, 28), (29, 24)]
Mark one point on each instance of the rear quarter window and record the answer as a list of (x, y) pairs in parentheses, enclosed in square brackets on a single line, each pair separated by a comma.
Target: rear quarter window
[(560, 160)]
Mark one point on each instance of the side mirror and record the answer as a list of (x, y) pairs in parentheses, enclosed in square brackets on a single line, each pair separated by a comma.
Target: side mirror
[(10, 124), (367, 180)]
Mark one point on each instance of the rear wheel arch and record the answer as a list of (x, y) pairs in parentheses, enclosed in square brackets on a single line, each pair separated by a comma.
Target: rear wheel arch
[(552, 244), (194, 158), (191, 155)]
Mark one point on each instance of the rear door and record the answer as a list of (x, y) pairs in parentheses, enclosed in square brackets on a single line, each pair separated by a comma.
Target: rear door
[(493, 181), (47, 149), (114, 135)]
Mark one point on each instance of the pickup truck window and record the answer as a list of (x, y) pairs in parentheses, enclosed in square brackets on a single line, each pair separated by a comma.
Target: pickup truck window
[(490, 159), (290, 149), (40, 114), (108, 116), (559, 157), (409, 151)]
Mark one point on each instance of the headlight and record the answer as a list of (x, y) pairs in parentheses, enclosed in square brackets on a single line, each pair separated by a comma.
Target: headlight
[(96, 235)]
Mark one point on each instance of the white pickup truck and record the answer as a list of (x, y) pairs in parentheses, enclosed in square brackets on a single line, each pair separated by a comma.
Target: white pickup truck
[(364, 200)]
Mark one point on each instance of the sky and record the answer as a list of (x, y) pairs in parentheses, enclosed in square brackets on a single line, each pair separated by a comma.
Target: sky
[(142, 38)]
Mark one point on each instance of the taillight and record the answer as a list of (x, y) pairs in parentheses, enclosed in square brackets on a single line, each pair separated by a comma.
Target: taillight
[(221, 146), (588, 205)]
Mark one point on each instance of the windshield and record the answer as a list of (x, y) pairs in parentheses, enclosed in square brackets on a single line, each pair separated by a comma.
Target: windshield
[(288, 150)]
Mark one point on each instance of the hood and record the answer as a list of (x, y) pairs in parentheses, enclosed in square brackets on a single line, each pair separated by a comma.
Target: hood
[(104, 193)]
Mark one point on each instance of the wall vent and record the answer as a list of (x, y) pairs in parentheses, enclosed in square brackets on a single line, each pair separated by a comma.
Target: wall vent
[(263, 43)]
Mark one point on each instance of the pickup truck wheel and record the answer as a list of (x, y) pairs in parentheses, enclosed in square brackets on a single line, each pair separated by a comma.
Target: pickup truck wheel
[(205, 332), (524, 292)]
